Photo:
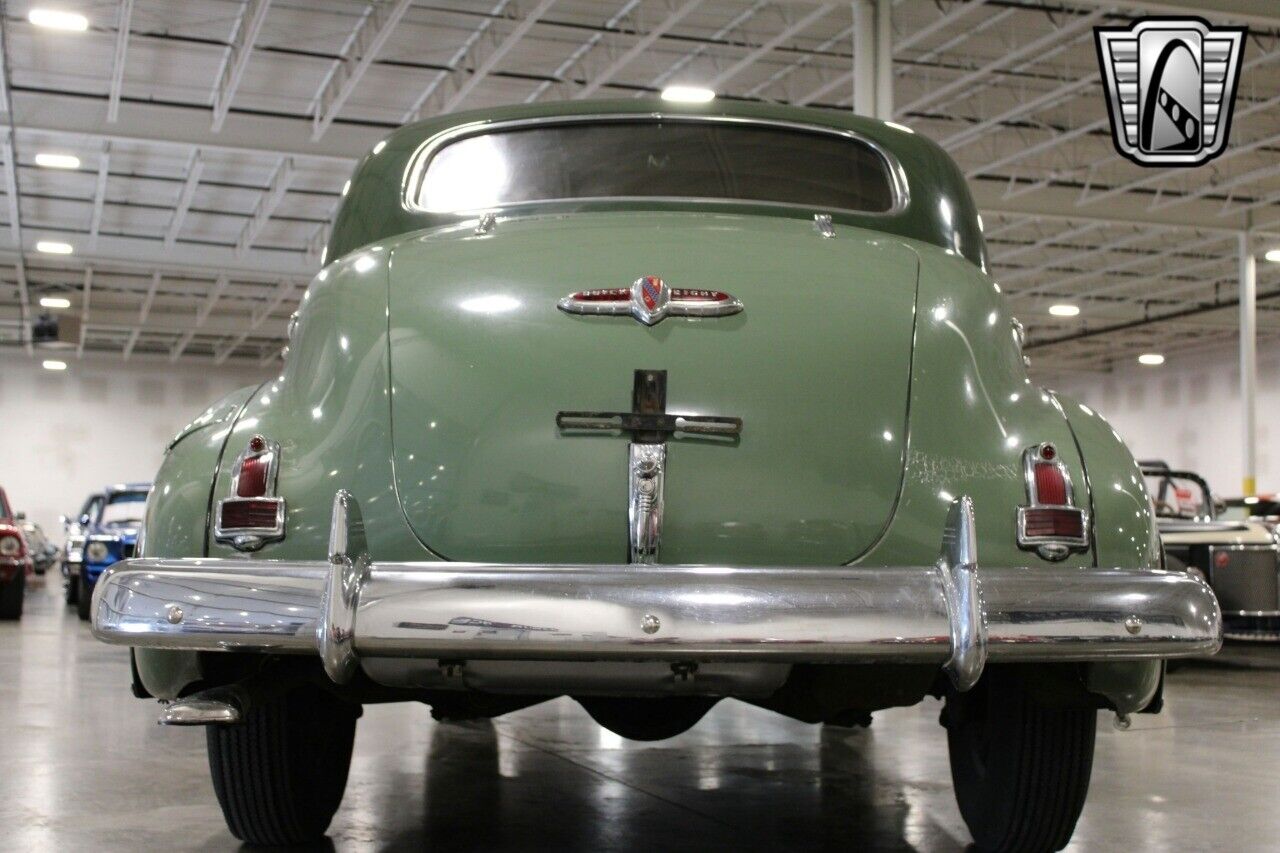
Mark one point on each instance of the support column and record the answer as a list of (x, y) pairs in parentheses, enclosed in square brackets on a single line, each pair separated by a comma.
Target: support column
[(1249, 361), (884, 59), (864, 57)]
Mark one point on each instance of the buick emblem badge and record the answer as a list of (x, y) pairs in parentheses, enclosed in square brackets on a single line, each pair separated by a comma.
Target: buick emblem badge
[(649, 300)]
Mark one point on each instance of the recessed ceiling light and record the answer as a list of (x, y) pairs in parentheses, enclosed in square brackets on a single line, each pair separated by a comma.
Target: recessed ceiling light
[(54, 364), (1064, 310), (688, 94), (1151, 358), (57, 19), (49, 160), (54, 302), (54, 247), (1273, 256)]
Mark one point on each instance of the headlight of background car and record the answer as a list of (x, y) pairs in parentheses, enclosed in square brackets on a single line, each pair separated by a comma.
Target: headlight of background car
[(10, 546), (97, 552)]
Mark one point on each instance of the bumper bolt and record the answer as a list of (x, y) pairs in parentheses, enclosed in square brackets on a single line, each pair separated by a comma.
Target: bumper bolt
[(650, 624), (174, 614), (1133, 624)]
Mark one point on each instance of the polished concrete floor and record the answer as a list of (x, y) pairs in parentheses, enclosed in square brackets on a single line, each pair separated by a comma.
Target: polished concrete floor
[(84, 767)]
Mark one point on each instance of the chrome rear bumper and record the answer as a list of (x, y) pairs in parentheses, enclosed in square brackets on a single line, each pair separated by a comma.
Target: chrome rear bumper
[(949, 614)]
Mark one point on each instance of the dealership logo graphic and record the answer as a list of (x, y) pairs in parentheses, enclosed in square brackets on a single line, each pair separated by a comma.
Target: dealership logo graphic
[(1171, 84)]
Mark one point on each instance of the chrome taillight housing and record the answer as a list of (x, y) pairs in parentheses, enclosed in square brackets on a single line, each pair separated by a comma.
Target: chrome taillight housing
[(1051, 524), (253, 515)]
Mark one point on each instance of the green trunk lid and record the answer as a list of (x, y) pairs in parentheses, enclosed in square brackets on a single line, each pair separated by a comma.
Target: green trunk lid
[(817, 366)]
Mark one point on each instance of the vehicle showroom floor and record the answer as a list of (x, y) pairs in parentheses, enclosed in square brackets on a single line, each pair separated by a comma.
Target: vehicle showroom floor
[(84, 767)]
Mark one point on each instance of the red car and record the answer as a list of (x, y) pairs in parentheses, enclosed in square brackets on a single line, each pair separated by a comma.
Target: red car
[(15, 562)]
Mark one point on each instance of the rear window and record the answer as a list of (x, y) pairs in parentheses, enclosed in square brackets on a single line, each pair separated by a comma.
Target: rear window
[(654, 159)]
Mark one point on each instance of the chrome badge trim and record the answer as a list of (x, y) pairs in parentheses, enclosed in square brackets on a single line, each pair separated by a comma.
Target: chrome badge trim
[(650, 300)]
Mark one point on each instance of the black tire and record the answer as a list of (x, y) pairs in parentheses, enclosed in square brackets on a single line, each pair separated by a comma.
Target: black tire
[(73, 589), (12, 595), (279, 775), (84, 598), (1020, 768)]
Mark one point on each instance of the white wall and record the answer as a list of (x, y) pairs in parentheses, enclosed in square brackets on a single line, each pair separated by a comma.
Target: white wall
[(1187, 412), (65, 434)]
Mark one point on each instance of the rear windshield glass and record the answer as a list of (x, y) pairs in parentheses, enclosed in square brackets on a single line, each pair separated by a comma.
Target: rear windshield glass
[(655, 159)]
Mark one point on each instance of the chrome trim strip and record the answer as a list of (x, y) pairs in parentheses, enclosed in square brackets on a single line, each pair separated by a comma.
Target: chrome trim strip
[(416, 167), (837, 614), (646, 475)]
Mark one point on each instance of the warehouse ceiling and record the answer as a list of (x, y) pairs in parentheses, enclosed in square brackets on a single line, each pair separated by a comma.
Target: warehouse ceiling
[(214, 137)]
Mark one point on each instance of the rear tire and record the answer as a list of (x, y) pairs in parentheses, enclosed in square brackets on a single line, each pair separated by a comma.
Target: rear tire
[(279, 775), (1020, 768), (11, 596), (73, 589), (84, 599)]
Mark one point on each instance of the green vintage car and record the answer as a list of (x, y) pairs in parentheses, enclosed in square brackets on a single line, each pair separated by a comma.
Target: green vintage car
[(456, 491)]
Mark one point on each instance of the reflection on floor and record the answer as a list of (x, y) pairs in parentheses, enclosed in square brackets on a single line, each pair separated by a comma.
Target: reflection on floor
[(84, 767)]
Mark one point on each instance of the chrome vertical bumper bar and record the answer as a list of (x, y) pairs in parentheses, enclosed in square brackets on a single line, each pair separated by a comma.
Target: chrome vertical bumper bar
[(951, 614)]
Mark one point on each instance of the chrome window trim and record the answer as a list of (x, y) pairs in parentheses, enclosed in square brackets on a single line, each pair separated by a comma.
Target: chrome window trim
[(415, 170), (253, 538)]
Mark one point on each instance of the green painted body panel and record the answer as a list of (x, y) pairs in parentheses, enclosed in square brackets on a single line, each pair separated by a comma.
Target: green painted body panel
[(817, 366), (884, 330), (177, 520)]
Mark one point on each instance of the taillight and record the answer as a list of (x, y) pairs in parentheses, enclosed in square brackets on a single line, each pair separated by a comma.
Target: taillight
[(253, 478), (1051, 524), (253, 515)]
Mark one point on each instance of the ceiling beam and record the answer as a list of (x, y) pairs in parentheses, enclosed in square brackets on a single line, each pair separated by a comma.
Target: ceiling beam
[(215, 293), (1263, 13), (719, 35), (123, 18), (641, 45), (186, 127), (491, 61), (371, 34), (277, 187), (768, 46), (248, 26), (579, 53), (180, 347), (1028, 51), (184, 257), (194, 167), (85, 294), (149, 298), (99, 193)]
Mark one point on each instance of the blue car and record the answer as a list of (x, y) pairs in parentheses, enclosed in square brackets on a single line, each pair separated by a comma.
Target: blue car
[(110, 531)]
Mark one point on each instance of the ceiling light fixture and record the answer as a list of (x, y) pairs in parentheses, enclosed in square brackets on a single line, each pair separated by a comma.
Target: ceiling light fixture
[(54, 247), (57, 19), (1064, 310), (50, 160), (688, 94), (1151, 359), (54, 302), (54, 364), (1273, 256)]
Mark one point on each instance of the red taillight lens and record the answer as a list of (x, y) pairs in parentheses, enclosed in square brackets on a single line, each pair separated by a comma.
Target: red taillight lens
[(253, 477), (1051, 486), (1056, 523), (244, 515)]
